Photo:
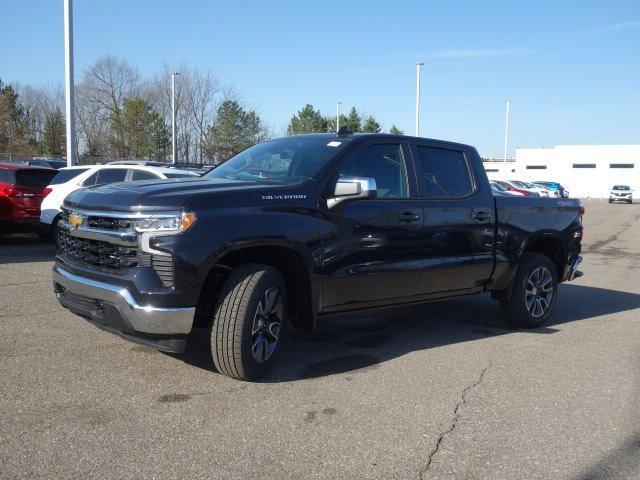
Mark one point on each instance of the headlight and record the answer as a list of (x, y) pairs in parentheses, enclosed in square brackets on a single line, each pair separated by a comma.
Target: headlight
[(165, 224)]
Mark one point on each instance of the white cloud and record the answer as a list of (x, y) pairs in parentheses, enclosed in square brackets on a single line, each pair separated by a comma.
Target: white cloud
[(618, 26)]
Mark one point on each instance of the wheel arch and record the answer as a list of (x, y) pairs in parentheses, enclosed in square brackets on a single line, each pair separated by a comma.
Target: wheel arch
[(287, 258)]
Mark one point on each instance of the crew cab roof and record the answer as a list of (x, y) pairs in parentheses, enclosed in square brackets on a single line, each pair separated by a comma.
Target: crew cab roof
[(332, 136)]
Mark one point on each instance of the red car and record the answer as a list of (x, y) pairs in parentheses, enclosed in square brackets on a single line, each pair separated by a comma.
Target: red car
[(22, 189)]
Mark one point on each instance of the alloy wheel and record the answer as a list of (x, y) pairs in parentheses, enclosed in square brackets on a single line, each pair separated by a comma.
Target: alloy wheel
[(539, 292), (267, 323)]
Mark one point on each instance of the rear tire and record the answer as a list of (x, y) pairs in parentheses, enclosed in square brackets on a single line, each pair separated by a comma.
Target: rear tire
[(251, 310), (533, 293)]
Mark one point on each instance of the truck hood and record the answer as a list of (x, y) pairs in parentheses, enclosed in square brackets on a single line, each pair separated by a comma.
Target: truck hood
[(152, 195)]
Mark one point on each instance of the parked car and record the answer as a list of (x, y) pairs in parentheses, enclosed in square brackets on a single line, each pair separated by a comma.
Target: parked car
[(512, 187), (47, 163), (555, 187), (70, 179), (499, 188), (296, 228), (621, 193), (542, 192), (22, 189)]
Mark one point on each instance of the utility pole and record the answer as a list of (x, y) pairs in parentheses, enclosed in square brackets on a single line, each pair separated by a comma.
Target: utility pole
[(418, 68), (338, 116), (506, 130), (173, 116), (68, 83)]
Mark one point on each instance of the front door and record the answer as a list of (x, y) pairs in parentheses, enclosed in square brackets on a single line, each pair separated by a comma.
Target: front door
[(371, 247)]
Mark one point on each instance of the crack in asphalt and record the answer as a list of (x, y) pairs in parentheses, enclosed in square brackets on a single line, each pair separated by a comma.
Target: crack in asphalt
[(456, 416)]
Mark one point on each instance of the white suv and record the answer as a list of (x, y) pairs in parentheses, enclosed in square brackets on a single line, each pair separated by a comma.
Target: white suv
[(619, 193), (70, 179)]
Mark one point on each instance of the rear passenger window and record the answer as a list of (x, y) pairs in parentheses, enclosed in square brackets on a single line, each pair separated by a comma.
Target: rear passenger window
[(385, 163), (111, 175), (445, 173), (144, 175)]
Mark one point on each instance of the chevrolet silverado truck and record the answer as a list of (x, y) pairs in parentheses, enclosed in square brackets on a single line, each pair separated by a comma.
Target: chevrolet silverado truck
[(296, 228)]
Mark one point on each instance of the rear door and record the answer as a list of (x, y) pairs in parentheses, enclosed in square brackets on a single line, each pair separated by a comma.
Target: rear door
[(371, 251), (459, 219)]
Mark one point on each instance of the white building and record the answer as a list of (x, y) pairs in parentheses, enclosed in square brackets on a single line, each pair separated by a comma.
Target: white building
[(584, 170)]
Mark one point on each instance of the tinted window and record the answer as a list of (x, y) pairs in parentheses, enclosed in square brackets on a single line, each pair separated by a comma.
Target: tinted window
[(63, 176), (385, 163), (584, 165), (6, 176), (34, 178), (445, 173), (143, 175), (621, 187), (91, 180), (621, 165), (109, 175)]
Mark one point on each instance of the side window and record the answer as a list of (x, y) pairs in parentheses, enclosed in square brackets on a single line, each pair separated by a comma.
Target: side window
[(445, 173), (111, 175), (90, 180), (144, 175), (383, 162)]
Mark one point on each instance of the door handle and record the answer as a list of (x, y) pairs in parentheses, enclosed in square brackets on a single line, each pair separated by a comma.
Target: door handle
[(408, 217), (481, 216)]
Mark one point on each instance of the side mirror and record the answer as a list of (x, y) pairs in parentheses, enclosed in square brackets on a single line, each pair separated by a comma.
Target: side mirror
[(351, 188)]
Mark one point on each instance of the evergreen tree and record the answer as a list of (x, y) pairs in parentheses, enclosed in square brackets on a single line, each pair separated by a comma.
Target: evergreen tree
[(307, 120), (395, 131), (331, 122), (234, 130), (353, 121), (139, 131), (13, 126), (370, 125), (54, 134)]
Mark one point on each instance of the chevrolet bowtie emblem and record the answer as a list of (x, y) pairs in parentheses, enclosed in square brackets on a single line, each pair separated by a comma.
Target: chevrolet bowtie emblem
[(75, 220)]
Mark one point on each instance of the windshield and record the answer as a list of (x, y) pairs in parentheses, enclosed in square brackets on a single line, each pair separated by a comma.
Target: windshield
[(621, 187), (285, 160), (63, 176), (499, 186)]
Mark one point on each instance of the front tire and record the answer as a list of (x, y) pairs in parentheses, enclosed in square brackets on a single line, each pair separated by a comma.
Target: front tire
[(251, 310), (533, 294)]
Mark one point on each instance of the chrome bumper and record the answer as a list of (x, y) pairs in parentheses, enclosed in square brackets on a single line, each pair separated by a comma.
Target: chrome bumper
[(88, 296)]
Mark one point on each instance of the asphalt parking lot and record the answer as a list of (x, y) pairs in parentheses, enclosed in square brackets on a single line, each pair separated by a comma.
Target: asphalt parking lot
[(444, 390)]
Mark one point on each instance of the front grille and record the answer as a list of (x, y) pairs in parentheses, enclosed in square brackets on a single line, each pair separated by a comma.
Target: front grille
[(100, 222), (99, 253)]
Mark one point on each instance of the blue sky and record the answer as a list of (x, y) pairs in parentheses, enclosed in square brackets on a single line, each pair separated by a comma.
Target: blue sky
[(570, 68)]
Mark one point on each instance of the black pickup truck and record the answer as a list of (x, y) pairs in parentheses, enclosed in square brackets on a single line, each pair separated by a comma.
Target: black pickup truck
[(300, 227)]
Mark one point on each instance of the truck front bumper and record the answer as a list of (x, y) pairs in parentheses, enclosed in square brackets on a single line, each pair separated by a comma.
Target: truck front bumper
[(113, 308)]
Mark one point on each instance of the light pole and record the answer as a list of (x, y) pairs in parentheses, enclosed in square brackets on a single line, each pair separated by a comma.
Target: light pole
[(338, 116), (173, 116), (418, 68), (506, 129), (68, 83)]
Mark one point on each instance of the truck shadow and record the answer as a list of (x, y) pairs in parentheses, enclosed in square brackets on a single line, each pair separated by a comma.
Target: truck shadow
[(354, 343)]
